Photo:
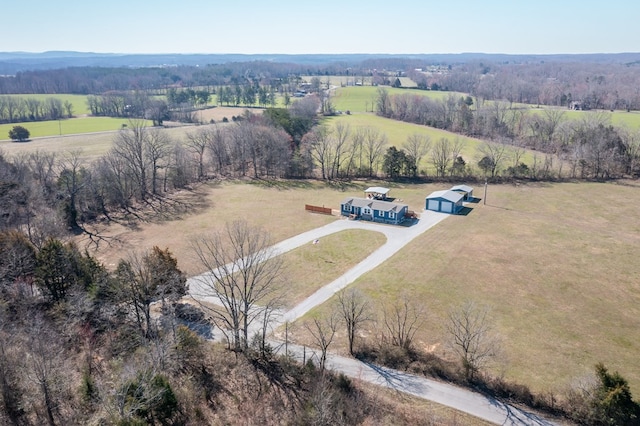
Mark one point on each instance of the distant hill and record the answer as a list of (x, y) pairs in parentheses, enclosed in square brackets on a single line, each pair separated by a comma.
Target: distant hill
[(13, 62)]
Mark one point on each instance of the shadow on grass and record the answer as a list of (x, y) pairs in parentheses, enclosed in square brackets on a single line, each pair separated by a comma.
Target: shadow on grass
[(282, 184), (464, 211)]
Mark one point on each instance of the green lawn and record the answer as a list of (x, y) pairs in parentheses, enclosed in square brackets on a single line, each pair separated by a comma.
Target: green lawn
[(79, 102), (397, 133), (363, 98), (69, 126)]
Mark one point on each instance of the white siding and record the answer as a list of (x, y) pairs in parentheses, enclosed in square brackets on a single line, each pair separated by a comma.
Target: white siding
[(433, 205)]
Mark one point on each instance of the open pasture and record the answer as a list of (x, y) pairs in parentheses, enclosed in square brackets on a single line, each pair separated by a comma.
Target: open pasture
[(397, 133), (70, 126), (92, 145), (79, 102), (554, 262), (363, 98)]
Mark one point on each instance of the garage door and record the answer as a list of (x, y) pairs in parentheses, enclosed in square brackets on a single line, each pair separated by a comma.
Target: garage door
[(446, 207), (433, 205)]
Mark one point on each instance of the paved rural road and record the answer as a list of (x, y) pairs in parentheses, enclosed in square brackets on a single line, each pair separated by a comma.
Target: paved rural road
[(397, 237)]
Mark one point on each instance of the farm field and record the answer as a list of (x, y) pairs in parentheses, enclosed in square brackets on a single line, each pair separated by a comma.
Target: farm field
[(79, 102), (397, 133), (363, 98), (554, 262), (69, 126), (81, 125), (557, 271)]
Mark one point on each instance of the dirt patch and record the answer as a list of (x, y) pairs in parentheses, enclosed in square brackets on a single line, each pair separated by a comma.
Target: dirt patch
[(218, 114)]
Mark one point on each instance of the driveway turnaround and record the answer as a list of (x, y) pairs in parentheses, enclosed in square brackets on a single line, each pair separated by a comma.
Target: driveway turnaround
[(455, 397)]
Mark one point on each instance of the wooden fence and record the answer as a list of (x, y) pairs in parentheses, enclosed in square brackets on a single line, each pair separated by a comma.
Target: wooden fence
[(317, 209)]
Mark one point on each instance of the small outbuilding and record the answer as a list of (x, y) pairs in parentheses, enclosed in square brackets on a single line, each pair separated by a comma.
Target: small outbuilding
[(374, 210), (376, 193), (465, 190), (447, 201)]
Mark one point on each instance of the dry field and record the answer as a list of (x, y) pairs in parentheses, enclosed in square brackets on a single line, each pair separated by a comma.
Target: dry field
[(95, 144), (557, 264)]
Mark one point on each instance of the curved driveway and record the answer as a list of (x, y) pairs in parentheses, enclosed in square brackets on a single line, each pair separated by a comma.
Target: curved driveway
[(397, 237)]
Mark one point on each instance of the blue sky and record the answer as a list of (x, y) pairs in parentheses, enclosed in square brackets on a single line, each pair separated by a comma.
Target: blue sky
[(322, 26)]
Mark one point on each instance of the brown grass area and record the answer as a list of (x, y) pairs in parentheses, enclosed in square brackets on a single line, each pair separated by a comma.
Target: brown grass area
[(218, 114), (277, 207), (555, 262)]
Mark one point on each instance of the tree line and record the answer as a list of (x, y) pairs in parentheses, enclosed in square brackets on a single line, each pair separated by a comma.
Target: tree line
[(19, 109), (589, 147)]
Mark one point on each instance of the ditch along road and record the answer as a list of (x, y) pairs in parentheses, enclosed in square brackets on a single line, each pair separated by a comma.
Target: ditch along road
[(458, 398)]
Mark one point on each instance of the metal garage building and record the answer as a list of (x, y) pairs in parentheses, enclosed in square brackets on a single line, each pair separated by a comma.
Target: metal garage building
[(465, 190), (444, 201)]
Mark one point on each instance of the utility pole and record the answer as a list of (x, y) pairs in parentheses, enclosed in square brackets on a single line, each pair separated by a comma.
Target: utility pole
[(484, 199)]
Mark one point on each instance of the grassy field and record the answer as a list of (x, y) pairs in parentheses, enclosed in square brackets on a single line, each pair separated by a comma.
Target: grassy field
[(314, 265), (92, 144), (397, 133), (556, 264), (79, 102), (363, 98), (71, 126)]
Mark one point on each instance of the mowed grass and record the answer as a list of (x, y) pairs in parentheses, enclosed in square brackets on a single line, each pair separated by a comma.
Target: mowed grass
[(315, 265), (556, 264), (79, 102), (70, 126)]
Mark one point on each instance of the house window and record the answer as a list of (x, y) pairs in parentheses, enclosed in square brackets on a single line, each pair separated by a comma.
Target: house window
[(367, 211), (392, 215)]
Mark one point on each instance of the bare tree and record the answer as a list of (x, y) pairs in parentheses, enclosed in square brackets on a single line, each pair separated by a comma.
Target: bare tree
[(323, 330), (45, 364), (218, 146), (198, 143), (340, 148), (442, 156), (72, 178), (130, 146), (354, 309), (493, 154), (12, 411), (158, 148), (373, 147), (472, 337), (320, 141), (243, 272), (402, 320), (416, 147)]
